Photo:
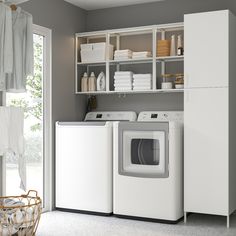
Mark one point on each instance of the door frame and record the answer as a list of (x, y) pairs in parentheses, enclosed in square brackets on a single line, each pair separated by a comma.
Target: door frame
[(47, 111)]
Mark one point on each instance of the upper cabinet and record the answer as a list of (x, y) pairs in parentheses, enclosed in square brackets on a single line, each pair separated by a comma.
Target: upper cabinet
[(206, 49)]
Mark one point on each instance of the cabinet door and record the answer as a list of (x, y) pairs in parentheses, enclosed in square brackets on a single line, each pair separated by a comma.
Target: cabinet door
[(206, 37), (206, 151)]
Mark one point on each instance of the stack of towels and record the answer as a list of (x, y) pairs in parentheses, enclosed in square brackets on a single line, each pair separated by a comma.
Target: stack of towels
[(142, 82), (123, 54), (123, 80), (140, 55)]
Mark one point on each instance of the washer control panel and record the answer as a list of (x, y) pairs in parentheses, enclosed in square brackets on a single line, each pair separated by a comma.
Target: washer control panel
[(161, 116), (111, 116)]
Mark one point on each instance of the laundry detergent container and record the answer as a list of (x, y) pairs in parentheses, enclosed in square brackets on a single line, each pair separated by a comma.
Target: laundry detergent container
[(93, 52)]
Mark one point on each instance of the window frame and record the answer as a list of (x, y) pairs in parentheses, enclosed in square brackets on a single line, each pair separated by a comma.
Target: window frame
[(47, 123)]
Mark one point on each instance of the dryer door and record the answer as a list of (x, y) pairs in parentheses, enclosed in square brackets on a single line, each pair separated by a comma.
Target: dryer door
[(143, 149)]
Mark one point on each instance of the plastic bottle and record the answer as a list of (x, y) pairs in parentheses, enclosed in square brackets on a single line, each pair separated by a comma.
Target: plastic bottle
[(173, 46), (101, 82), (92, 82), (180, 49), (84, 83)]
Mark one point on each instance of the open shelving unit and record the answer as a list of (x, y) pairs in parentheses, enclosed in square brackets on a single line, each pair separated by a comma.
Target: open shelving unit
[(137, 39)]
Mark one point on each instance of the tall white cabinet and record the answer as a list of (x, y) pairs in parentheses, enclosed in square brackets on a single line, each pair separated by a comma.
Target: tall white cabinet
[(210, 113)]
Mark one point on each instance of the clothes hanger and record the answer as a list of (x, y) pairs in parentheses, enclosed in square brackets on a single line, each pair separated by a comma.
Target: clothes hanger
[(13, 7)]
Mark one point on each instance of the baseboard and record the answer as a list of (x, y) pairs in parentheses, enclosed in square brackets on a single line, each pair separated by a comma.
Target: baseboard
[(149, 219), (83, 212)]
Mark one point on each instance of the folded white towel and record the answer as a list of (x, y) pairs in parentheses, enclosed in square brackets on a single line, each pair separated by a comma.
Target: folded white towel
[(141, 88), (140, 80), (116, 58), (142, 54), (123, 78), (122, 73), (143, 79), (137, 82), (140, 57), (123, 86), (123, 51), (142, 76), (123, 54), (123, 89), (125, 82), (141, 84)]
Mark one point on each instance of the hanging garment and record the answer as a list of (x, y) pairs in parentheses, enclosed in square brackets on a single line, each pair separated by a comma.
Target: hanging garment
[(6, 47), (12, 137), (23, 58)]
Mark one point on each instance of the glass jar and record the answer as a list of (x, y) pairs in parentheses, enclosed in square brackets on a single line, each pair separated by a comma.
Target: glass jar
[(167, 81)]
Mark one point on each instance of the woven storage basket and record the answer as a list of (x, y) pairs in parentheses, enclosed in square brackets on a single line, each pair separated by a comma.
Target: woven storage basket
[(20, 215), (163, 48)]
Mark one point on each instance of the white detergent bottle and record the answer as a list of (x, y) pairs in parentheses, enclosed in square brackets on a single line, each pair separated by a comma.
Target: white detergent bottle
[(101, 82), (84, 83), (173, 46), (92, 82)]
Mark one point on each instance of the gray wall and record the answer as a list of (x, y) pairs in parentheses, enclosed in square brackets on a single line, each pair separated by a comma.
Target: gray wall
[(168, 11), (65, 20)]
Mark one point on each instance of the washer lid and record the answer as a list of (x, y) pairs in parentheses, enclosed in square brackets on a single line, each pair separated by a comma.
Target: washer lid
[(161, 116), (111, 116)]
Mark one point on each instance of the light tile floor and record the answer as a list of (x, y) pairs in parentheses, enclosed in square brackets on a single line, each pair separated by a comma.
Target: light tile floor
[(71, 224)]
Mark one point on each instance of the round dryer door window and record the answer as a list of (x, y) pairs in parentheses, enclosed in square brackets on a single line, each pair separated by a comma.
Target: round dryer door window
[(143, 150)]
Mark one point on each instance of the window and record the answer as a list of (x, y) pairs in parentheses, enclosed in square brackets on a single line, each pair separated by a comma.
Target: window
[(36, 103)]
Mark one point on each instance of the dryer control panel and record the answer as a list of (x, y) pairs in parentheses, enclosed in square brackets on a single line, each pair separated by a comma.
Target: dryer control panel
[(158, 116)]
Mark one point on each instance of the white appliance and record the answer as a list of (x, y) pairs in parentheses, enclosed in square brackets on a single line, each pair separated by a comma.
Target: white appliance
[(209, 113), (84, 162), (147, 167)]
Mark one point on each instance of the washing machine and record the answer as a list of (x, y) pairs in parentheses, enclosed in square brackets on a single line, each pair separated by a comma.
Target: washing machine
[(148, 167), (84, 162)]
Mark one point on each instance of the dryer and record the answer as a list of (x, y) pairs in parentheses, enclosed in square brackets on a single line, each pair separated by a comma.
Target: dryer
[(148, 167), (84, 162)]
